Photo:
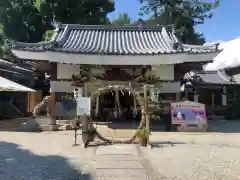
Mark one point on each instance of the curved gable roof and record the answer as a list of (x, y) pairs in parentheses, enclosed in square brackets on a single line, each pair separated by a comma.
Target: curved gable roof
[(114, 40)]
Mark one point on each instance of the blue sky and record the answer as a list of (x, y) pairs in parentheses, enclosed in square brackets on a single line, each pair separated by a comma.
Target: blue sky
[(224, 25)]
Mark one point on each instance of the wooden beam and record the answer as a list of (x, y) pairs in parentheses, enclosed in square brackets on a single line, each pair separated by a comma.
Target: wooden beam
[(52, 107)]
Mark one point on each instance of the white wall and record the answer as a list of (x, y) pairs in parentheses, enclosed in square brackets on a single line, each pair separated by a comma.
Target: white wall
[(165, 72), (172, 87), (65, 71), (61, 86)]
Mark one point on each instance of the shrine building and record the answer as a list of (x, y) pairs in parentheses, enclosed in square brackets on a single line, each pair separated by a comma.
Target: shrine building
[(115, 57)]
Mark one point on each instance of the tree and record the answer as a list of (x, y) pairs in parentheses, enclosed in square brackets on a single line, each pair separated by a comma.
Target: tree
[(21, 20), (122, 19), (77, 11), (184, 14)]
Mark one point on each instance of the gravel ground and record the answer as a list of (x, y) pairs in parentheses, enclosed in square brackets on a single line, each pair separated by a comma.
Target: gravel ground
[(38, 156), (179, 156), (196, 157)]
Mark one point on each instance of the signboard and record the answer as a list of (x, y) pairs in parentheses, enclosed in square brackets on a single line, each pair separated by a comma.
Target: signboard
[(83, 106), (188, 113)]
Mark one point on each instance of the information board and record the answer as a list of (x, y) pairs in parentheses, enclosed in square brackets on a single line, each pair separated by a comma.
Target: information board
[(188, 112), (83, 106)]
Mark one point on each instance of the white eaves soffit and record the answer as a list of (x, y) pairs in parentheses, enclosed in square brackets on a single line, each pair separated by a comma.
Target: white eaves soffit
[(114, 60)]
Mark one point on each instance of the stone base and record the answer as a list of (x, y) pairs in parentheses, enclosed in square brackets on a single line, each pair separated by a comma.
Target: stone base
[(149, 146), (38, 124), (49, 127)]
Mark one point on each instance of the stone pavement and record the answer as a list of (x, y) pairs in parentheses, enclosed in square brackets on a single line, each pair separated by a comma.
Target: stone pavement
[(118, 162)]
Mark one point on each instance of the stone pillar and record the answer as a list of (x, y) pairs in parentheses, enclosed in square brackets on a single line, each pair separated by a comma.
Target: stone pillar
[(224, 96), (196, 96)]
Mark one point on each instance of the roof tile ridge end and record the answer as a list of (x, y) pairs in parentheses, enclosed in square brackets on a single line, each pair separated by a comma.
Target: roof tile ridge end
[(192, 46), (64, 36), (165, 33)]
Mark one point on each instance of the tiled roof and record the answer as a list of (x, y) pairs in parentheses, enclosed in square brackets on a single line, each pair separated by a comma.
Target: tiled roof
[(210, 77), (115, 40), (6, 64)]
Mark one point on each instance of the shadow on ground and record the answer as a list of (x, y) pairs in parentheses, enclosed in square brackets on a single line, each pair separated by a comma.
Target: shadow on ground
[(27, 124), (161, 144), (224, 126), (11, 125), (17, 163)]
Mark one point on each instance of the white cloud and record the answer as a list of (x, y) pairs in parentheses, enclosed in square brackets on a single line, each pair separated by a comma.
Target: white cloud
[(214, 42), (230, 56)]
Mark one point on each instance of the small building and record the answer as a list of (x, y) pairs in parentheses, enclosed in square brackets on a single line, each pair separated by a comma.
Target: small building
[(17, 103), (234, 73), (115, 56), (215, 89)]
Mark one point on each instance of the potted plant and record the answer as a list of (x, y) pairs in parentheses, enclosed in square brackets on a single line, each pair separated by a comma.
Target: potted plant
[(142, 136)]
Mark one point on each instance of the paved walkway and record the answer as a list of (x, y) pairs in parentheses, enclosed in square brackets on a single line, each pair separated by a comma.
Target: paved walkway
[(117, 162)]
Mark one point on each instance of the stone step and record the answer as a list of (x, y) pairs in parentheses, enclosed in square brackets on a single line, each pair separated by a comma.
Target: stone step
[(117, 165), (121, 174), (118, 162), (119, 157)]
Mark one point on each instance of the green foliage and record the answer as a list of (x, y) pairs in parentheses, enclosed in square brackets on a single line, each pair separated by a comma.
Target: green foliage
[(122, 19), (84, 75), (48, 35), (142, 133), (29, 20), (77, 11), (184, 14), (21, 20)]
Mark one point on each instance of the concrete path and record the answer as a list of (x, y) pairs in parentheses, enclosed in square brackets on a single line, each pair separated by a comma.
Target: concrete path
[(117, 162)]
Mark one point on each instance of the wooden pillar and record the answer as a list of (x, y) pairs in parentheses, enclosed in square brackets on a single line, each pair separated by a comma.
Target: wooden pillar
[(52, 107), (145, 98), (213, 105), (117, 102), (146, 111), (53, 73), (97, 105), (186, 93), (33, 99)]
